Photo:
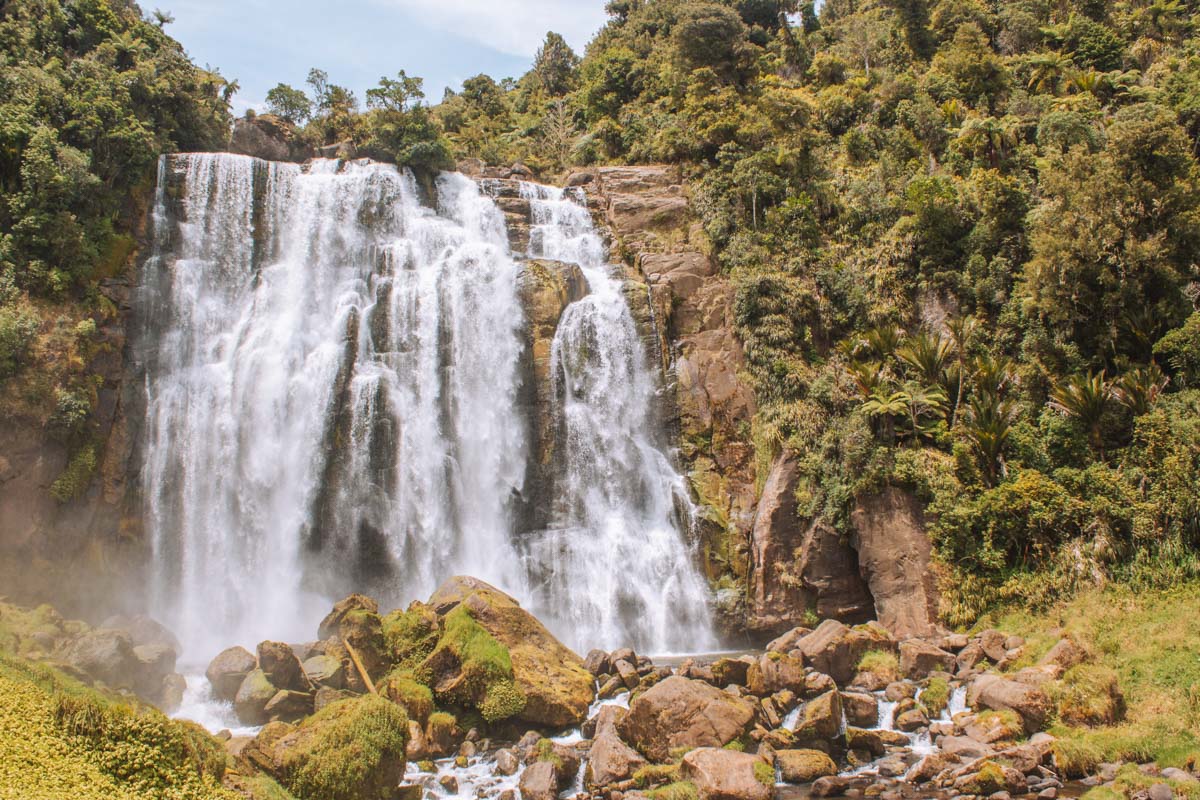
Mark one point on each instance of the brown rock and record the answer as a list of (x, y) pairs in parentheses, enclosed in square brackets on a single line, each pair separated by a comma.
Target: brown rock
[(539, 781), (821, 719), (720, 774), (835, 649), (611, 760), (861, 710), (330, 626), (788, 641), (893, 554), (678, 712), (1001, 694), (804, 766), (1064, 654), (268, 137), (775, 672), (919, 658), (281, 667)]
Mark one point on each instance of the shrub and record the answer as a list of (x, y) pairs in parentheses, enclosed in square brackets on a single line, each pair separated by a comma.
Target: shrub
[(936, 696), (18, 327)]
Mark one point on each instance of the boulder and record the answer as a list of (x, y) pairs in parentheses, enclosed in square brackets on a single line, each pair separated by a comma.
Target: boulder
[(226, 672), (557, 687), (870, 741), (830, 786), (170, 693), (821, 719), (964, 746), (860, 710), (279, 663), (288, 706), (728, 671), (912, 720), (1001, 694), (1064, 654), (804, 766), (835, 649), (597, 663), (155, 663), (775, 672), (144, 630), (720, 774), (610, 760), (365, 737), (787, 642), (919, 658), (106, 655), (893, 555), (324, 670), (250, 702), (539, 781), (331, 625), (268, 137), (682, 713), (994, 645)]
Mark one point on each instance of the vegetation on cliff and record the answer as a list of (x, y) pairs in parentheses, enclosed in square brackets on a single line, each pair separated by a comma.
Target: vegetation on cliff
[(962, 235), (91, 92)]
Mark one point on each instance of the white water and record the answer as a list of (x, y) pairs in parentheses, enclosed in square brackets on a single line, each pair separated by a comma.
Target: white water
[(332, 372), (619, 561)]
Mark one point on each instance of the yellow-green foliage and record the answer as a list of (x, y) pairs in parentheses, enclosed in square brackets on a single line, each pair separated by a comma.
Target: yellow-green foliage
[(1130, 781), (655, 775), (880, 663), (485, 664), (416, 698), (1151, 642), (545, 752), (347, 742), (989, 779), (764, 773), (59, 739), (1008, 722), (411, 635), (441, 724), (76, 478), (680, 790), (936, 696), (1088, 694)]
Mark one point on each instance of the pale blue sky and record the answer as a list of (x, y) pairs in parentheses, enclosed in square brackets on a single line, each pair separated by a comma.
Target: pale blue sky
[(265, 42)]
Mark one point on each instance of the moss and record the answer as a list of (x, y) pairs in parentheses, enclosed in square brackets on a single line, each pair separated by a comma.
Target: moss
[(1131, 781), (737, 745), (988, 780), (764, 773), (343, 751), (441, 725), (881, 664), (1088, 694), (655, 775), (1008, 722), (680, 790), (936, 696), (411, 635), (60, 739), (416, 698), (503, 700), (545, 752), (486, 667), (77, 476)]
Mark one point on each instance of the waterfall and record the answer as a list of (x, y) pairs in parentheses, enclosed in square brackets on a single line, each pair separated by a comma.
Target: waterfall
[(618, 567), (332, 372)]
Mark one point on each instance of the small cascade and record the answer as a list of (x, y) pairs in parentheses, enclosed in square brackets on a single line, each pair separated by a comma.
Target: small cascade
[(620, 500)]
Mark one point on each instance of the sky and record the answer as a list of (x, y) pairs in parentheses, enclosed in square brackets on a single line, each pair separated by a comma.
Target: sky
[(264, 42)]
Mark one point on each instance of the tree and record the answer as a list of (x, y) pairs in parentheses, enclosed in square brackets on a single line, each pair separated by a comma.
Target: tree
[(1085, 398), (289, 103), (396, 95), (556, 65), (987, 425)]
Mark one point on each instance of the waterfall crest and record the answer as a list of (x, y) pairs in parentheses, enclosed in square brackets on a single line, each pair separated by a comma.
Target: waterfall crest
[(332, 374)]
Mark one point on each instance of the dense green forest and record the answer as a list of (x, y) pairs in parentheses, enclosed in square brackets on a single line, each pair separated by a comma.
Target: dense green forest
[(963, 235)]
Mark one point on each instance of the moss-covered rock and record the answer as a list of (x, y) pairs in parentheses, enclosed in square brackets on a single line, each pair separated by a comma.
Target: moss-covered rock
[(415, 698), (411, 635), (1088, 694), (804, 766), (250, 703), (350, 750), (516, 658)]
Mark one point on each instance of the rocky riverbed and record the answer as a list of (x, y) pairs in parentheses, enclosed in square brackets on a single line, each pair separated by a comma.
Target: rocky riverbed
[(468, 695)]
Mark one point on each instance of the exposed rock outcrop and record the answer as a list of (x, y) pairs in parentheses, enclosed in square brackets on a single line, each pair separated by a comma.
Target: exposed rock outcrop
[(270, 138), (893, 555)]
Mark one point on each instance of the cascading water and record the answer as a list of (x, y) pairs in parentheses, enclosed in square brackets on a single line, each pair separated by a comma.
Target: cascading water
[(617, 568), (332, 380)]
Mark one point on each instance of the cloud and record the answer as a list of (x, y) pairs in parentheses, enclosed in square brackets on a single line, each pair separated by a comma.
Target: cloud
[(516, 27)]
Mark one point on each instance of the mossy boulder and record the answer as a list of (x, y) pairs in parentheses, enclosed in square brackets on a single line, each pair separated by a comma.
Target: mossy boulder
[(350, 750), (331, 625), (720, 774), (250, 702), (281, 666), (804, 766), (1088, 694), (821, 719), (411, 635), (526, 672), (415, 698), (355, 622)]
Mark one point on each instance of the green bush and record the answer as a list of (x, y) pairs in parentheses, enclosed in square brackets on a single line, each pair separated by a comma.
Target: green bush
[(18, 328)]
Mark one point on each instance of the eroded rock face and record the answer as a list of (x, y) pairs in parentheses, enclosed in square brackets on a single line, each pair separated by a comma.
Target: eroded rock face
[(270, 138), (558, 688), (679, 712), (893, 555), (611, 760), (784, 587)]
